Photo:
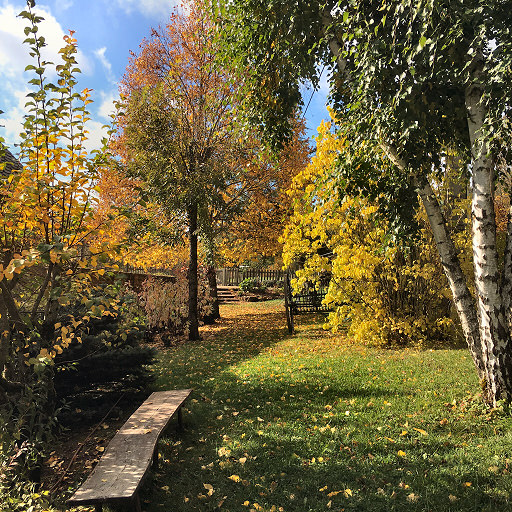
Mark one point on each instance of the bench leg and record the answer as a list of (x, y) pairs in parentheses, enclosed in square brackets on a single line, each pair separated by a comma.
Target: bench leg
[(180, 419), (155, 457), (136, 504)]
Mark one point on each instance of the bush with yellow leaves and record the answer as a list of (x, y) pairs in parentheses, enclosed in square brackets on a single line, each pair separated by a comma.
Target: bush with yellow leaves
[(383, 294)]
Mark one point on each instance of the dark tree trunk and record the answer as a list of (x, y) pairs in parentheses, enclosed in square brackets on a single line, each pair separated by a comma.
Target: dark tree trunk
[(193, 321), (212, 285)]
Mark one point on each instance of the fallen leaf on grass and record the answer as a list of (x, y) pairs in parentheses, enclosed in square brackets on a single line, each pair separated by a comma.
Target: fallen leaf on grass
[(209, 488), (421, 431), (234, 478)]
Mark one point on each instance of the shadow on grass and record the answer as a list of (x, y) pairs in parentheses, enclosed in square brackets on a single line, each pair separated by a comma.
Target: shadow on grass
[(312, 433), (224, 344)]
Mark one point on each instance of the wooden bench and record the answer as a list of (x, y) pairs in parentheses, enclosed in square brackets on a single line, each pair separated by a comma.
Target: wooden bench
[(119, 474)]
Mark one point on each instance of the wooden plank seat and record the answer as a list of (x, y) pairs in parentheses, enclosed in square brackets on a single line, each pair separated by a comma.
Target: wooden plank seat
[(121, 470)]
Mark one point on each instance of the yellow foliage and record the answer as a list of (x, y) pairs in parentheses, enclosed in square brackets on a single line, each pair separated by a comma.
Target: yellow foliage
[(48, 213), (381, 294)]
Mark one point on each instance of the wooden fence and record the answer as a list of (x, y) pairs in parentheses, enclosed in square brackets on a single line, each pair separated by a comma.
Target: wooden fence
[(225, 276), (234, 276)]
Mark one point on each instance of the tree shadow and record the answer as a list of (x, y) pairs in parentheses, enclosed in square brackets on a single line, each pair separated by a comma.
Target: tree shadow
[(265, 440)]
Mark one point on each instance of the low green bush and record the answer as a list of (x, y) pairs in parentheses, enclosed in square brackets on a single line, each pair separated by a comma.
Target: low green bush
[(250, 285)]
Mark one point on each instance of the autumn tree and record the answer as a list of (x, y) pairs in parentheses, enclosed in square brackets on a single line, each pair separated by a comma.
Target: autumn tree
[(381, 293), (416, 79), (178, 130), (263, 206), (47, 206), (51, 256)]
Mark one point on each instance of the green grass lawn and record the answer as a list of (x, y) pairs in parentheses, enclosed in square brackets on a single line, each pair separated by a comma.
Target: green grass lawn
[(310, 422)]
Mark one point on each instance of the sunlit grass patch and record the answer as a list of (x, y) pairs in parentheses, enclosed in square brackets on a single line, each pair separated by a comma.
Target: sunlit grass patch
[(310, 422)]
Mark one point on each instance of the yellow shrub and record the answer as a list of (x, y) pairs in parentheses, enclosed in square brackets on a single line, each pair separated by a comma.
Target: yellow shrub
[(383, 295)]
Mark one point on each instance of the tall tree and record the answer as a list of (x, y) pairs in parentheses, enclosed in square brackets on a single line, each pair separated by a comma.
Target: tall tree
[(178, 126), (47, 210), (415, 78)]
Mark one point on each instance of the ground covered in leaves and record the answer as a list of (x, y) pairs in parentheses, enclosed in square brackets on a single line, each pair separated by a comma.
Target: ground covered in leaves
[(311, 422)]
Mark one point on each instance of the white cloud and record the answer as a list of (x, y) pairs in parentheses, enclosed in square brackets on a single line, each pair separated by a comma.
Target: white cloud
[(64, 5), (11, 122), (149, 8), (107, 104), (14, 55), (96, 133), (107, 66)]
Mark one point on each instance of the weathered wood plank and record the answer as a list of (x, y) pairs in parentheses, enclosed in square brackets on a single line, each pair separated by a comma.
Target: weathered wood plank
[(122, 468)]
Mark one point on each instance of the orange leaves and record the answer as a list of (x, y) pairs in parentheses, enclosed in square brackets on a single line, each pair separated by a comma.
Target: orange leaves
[(256, 231)]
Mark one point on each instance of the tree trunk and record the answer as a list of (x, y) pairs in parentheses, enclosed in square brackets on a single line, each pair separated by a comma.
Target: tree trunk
[(211, 275), (462, 298), (507, 272), (193, 321), (494, 332)]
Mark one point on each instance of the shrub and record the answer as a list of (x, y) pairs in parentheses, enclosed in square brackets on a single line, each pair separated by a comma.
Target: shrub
[(250, 285), (383, 293), (110, 357), (165, 302)]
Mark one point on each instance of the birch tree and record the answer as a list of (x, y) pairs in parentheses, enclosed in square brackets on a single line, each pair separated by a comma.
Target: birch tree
[(416, 79)]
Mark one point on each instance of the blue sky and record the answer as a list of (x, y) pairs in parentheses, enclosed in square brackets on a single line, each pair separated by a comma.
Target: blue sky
[(106, 31)]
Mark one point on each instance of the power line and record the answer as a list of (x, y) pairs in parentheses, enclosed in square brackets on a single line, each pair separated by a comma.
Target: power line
[(314, 90)]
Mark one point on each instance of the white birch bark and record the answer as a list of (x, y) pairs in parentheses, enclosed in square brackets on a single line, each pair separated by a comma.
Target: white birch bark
[(462, 298), (494, 332), (506, 282)]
